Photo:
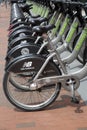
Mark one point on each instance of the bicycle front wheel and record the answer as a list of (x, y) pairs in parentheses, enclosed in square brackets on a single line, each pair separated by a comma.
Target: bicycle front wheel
[(30, 100)]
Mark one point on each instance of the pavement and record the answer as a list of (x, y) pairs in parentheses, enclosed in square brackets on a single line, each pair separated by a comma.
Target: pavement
[(61, 115)]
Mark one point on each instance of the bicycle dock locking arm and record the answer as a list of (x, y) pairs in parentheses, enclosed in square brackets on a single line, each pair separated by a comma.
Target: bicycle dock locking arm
[(69, 36), (62, 30), (77, 48)]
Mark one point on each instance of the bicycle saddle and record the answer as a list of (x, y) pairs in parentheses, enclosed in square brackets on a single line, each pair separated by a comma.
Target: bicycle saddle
[(36, 21), (33, 21), (18, 1), (26, 7), (43, 29), (35, 16)]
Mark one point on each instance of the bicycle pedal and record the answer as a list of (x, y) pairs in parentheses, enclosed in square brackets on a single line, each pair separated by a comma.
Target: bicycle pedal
[(75, 100)]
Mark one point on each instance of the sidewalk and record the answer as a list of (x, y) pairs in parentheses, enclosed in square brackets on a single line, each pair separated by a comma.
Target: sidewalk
[(61, 115)]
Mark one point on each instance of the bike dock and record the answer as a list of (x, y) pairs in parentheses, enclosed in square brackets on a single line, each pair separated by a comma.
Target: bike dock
[(61, 115)]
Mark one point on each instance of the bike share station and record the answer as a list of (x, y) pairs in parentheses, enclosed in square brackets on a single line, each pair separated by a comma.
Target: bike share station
[(46, 52), (43, 65), (46, 42), (45, 38)]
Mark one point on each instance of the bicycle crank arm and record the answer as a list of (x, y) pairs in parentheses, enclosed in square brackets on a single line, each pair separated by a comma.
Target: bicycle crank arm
[(65, 81)]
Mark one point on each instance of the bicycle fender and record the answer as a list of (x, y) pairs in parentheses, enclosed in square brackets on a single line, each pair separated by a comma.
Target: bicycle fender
[(18, 28), (25, 64), (18, 32), (23, 49), (13, 26), (32, 63), (18, 40)]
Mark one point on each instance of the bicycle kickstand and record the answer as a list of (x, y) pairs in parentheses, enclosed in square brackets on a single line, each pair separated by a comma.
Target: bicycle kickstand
[(74, 99)]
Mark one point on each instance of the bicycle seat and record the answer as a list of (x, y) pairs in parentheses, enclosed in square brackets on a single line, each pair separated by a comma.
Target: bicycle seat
[(26, 7), (18, 1), (35, 16), (21, 1), (43, 29), (36, 21), (14, 1)]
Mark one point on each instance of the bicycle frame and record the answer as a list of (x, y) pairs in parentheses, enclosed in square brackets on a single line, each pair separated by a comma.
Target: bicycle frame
[(74, 79), (70, 82)]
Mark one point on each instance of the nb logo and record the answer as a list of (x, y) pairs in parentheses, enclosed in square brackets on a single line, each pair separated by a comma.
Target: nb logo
[(27, 64)]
